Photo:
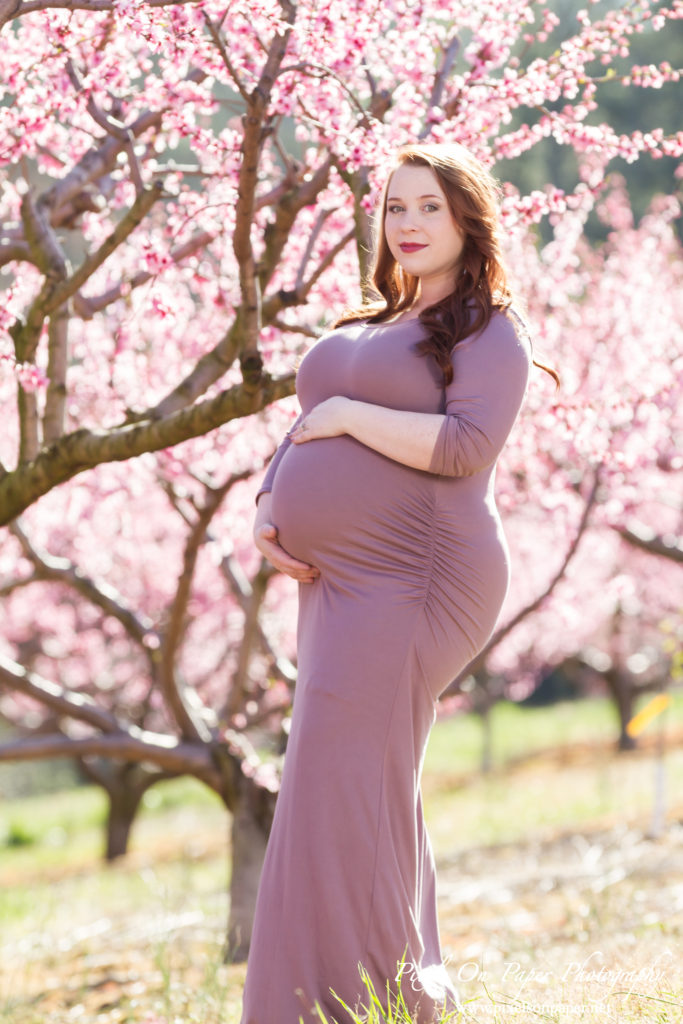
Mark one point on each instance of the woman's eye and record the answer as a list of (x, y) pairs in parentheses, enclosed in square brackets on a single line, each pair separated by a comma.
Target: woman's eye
[(428, 208)]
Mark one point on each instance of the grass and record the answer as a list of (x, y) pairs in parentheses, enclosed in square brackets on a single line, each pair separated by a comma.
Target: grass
[(547, 878), (517, 732)]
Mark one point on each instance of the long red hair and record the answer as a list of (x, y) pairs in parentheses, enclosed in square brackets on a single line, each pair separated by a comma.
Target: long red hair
[(481, 286)]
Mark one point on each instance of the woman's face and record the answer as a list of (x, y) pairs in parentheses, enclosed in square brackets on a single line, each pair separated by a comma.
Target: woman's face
[(420, 231)]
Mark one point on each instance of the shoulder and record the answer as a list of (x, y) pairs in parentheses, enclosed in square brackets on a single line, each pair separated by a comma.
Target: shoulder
[(508, 327), (520, 325), (505, 338)]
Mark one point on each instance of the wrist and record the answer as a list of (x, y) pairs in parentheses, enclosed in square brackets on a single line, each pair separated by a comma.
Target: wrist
[(350, 415)]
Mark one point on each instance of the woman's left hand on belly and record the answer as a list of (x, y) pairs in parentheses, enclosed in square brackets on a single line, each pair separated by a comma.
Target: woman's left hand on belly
[(327, 419)]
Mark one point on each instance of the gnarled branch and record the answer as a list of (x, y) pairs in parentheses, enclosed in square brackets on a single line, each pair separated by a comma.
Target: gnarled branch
[(84, 449), (73, 705), (255, 119)]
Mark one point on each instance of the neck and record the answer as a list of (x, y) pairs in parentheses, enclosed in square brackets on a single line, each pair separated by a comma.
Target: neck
[(431, 292)]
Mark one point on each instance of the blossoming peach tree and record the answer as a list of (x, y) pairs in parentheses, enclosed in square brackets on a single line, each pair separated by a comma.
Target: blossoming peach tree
[(187, 191)]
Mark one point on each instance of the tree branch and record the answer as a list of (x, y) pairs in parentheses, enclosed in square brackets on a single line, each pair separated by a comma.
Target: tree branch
[(282, 325), (283, 299), (84, 449), (196, 537), (11, 9), (208, 369), (479, 661), (242, 589), (239, 690), (10, 251), (277, 233), (646, 539), (29, 425), (214, 31), (358, 182), (110, 125), (322, 71), (10, 586), (100, 161), (172, 687), (87, 306), (64, 702), (310, 244), (327, 261), (248, 322), (61, 570), (213, 364), (138, 211), (58, 355), (138, 745), (46, 253), (440, 78)]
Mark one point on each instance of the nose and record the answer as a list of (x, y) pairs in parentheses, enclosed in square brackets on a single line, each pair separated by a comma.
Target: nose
[(408, 223)]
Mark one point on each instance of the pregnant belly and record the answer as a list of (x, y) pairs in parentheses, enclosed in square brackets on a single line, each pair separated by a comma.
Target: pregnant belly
[(335, 500), (390, 536)]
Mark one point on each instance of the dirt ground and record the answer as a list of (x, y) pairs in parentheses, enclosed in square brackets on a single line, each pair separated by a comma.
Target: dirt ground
[(573, 925), (581, 923)]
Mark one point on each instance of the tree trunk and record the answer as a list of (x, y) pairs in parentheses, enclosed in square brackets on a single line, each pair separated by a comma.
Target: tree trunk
[(483, 696), (252, 816), (125, 794), (486, 739), (125, 785), (622, 693)]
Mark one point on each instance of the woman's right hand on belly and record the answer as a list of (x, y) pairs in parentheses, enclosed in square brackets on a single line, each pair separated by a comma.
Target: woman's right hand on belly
[(265, 539)]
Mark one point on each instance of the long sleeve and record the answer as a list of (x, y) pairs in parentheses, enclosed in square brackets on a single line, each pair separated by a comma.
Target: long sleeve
[(267, 483), (490, 374)]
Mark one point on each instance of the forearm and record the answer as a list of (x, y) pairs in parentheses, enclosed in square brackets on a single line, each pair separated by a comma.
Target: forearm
[(264, 504), (406, 437), (267, 482)]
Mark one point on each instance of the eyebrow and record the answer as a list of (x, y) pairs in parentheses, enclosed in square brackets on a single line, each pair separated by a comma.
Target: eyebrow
[(430, 195)]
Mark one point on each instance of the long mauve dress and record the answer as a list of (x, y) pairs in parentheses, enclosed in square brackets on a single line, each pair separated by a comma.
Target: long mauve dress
[(413, 572)]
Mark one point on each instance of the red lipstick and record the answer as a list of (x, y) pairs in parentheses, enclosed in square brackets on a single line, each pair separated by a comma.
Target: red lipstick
[(411, 247)]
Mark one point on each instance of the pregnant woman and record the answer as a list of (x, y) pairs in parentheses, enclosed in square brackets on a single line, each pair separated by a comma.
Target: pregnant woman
[(380, 503)]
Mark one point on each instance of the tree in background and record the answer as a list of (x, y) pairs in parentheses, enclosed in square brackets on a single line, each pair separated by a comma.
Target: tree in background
[(168, 605), (603, 464), (187, 193)]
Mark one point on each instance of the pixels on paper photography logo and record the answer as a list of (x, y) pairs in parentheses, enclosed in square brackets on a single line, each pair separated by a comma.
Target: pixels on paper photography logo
[(578, 989), (575, 989)]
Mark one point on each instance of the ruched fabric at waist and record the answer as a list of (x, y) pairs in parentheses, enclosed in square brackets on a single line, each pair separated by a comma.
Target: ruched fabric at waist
[(344, 507)]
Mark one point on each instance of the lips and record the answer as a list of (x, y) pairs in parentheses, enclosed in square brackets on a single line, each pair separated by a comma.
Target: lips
[(411, 247)]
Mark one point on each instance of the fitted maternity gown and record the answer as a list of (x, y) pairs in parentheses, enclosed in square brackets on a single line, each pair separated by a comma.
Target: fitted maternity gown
[(413, 572)]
